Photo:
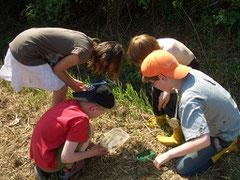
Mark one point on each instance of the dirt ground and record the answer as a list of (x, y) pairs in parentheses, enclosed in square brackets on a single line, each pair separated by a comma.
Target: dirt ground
[(19, 112)]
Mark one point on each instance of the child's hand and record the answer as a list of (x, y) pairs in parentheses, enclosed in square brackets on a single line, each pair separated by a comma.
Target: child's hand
[(91, 144), (98, 150), (163, 100), (81, 85), (160, 160)]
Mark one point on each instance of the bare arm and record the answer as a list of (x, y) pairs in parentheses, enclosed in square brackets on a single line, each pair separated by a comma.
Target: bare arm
[(163, 99), (70, 156), (60, 69), (184, 149)]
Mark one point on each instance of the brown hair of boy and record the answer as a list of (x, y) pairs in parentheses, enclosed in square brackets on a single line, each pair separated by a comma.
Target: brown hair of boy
[(139, 47), (149, 79)]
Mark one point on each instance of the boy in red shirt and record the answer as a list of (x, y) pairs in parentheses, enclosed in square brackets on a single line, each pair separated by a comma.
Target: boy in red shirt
[(61, 139)]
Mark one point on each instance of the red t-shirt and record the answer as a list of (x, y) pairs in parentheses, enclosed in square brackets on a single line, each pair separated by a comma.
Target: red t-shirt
[(65, 121)]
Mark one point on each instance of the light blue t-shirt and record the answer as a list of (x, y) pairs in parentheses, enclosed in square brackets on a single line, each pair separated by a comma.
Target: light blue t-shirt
[(207, 108)]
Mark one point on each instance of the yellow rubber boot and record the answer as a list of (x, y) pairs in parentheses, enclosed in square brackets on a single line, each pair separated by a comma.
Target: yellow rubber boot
[(174, 140), (233, 147), (158, 121)]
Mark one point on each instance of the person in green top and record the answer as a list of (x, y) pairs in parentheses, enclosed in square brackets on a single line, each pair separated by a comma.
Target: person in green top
[(40, 57)]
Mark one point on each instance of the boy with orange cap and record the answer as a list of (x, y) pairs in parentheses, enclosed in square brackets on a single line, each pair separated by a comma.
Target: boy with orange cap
[(209, 117)]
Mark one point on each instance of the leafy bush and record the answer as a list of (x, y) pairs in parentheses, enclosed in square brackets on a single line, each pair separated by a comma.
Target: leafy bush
[(44, 12), (209, 28)]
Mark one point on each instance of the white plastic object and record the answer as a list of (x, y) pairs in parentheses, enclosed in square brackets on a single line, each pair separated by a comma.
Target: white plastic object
[(114, 139)]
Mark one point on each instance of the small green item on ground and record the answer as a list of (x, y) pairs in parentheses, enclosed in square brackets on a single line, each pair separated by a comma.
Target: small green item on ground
[(146, 155)]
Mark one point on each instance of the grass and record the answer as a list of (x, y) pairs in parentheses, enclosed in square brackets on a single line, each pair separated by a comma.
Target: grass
[(130, 113)]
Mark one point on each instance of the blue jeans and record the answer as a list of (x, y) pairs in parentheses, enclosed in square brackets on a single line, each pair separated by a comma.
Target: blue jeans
[(199, 161)]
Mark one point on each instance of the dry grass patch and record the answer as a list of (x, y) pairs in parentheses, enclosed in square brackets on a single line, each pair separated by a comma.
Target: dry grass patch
[(20, 112)]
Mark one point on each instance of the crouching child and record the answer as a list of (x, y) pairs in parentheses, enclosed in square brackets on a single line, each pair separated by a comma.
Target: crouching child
[(208, 115), (61, 139)]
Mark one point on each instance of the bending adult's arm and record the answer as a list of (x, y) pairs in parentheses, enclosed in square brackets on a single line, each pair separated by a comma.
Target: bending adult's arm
[(60, 69), (184, 149)]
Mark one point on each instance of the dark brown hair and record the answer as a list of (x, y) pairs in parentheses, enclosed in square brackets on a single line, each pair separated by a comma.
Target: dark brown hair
[(107, 58), (149, 79)]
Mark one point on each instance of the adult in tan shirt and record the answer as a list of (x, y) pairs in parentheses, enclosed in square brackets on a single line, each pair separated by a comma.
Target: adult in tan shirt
[(40, 57)]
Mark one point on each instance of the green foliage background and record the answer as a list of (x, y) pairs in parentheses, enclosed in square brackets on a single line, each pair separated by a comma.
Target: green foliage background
[(209, 28)]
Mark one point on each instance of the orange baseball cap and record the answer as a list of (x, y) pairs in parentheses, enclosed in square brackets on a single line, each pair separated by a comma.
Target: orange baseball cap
[(161, 62)]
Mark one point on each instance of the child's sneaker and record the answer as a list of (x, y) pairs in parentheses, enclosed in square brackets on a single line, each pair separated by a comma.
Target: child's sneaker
[(40, 174), (65, 173)]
